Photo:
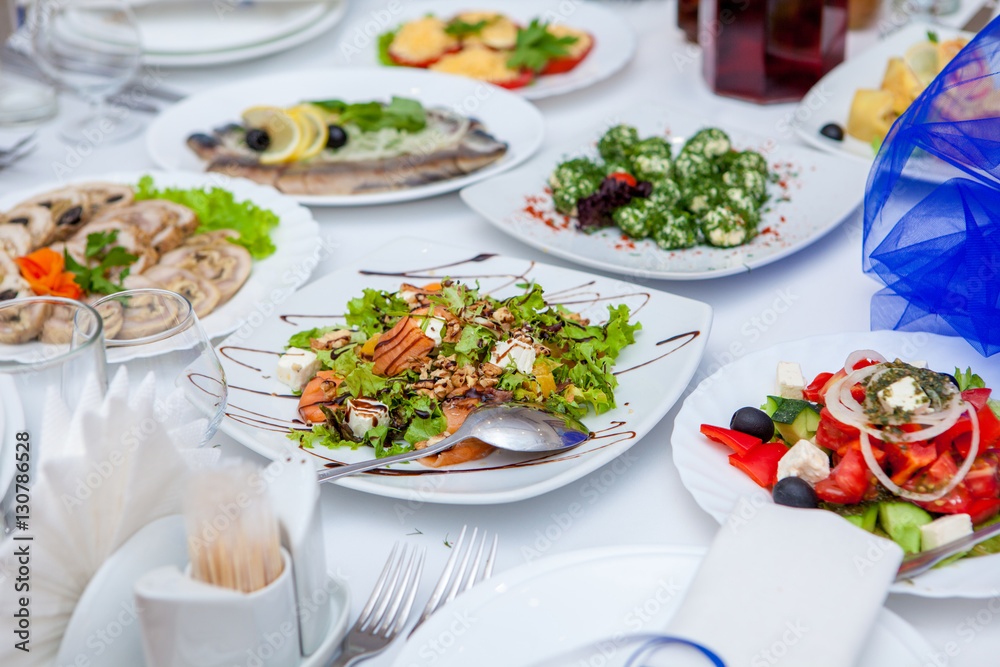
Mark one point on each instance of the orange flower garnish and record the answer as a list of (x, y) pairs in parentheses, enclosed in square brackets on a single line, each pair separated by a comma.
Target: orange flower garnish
[(45, 271)]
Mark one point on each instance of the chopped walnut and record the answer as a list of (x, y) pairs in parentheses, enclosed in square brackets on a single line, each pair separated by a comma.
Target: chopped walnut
[(487, 383), (490, 370), (332, 340), (576, 317), (502, 316)]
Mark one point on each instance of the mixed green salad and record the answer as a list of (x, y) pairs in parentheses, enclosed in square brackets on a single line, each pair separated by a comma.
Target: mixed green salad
[(707, 193), (411, 364)]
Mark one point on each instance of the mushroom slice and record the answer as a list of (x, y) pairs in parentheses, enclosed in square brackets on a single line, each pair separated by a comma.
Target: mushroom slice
[(102, 196), (15, 240), (37, 220), (225, 264), (20, 324), (69, 208), (203, 295), (58, 328), (146, 315)]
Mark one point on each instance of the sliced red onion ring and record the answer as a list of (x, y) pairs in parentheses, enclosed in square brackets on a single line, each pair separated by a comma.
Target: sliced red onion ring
[(866, 451), (859, 355)]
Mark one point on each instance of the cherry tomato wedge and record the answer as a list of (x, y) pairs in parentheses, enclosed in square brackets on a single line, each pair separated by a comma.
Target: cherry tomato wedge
[(933, 478), (847, 482), (983, 509), (739, 442), (623, 176), (811, 393), (832, 434), (567, 63), (520, 81)]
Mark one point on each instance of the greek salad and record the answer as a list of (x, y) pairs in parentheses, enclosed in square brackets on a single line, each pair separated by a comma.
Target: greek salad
[(898, 449)]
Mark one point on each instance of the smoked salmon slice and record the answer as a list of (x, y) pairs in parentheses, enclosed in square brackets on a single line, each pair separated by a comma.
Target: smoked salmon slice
[(316, 393)]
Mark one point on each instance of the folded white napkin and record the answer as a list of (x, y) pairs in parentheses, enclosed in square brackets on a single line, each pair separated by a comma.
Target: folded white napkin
[(105, 471), (779, 586)]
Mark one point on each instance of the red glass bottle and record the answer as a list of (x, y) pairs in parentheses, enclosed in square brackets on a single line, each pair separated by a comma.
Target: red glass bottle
[(687, 19), (770, 50)]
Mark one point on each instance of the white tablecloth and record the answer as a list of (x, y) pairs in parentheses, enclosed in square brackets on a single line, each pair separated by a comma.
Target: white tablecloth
[(642, 502)]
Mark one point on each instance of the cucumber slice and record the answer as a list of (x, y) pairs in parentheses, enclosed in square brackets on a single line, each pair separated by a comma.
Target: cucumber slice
[(772, 404), (796, 420), (902, 521)]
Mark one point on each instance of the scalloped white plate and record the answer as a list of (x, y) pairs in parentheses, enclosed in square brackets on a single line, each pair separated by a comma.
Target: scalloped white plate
[(719, 488), (652, 373), (272, 279), (614, 40)]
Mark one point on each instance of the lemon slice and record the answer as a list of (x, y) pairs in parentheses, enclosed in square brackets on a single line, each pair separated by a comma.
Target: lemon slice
[(284, 132), (314, 130), (923, 60)]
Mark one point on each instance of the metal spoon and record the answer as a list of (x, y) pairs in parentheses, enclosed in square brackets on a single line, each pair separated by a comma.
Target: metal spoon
[(516, 427), (918, 563)]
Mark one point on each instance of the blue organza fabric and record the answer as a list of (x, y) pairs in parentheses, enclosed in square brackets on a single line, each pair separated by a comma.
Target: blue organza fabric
[(932, 205)]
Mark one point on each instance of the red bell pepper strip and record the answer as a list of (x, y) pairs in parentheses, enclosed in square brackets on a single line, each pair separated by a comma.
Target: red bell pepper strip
[(739, 442), (812, 392), (761, 462)]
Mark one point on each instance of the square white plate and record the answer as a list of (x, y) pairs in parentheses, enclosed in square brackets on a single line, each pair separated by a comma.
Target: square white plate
[(815, 193), (652, 373)]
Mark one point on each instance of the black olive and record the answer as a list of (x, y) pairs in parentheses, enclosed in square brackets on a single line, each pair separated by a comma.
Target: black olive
[(8, 294), (794, 492), (18, 221), (337, 136), (258, 140), (753, 422), (832, 131), (71, 217), (113, 198)]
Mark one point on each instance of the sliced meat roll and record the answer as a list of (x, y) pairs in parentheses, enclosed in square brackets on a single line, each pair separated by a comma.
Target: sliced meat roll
[(102, 196), (58, 327), (167, 224), (37, 220), (203, 295), (225, 264), (15, 240), (146, 315), (69, 208), (19, 325), (211, 238), (133, 239)]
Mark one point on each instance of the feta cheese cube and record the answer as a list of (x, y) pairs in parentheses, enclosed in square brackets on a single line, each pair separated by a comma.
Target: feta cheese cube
[(364, 415), (906, 395), (790, 381), (517, 353), (296, 367), (433, 329), (944, 530), (805, 461)]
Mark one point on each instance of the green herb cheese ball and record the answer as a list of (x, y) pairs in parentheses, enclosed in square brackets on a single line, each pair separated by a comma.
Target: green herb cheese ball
[(752, 182), (666, 194), (724, 228), (616, 143), (658, 146), (636, 218), (700, 196), (710, 142), (750, 161), (692, 166), (566, 198), (612, 167), (676, 230), (573, 171), (651, 167), (742, 203)]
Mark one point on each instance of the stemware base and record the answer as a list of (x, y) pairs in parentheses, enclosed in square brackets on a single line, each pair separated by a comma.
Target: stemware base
[(103, 128)]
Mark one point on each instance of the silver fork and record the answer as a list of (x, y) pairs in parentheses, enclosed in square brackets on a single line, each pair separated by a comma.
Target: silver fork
[(454, 581), (387, 609)]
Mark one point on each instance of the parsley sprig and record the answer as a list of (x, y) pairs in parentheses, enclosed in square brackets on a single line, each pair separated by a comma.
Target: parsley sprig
[(536, 46), (401, 114), (95, 279), (459, 28)]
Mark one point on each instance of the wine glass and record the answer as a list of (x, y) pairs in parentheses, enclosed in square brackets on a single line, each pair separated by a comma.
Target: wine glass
[(92, 47), (50, 348), (157, 331)]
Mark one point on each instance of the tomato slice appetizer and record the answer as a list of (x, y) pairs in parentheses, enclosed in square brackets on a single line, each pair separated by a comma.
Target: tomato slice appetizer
[(568, 63)]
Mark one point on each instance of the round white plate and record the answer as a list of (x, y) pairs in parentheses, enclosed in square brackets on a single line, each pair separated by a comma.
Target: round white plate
[(104, 626), (652, 373), (829, 101), (815, 194), (272, 279), (559, 603), (719, 487), (614, 39), (506, 116), (193, 34)]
